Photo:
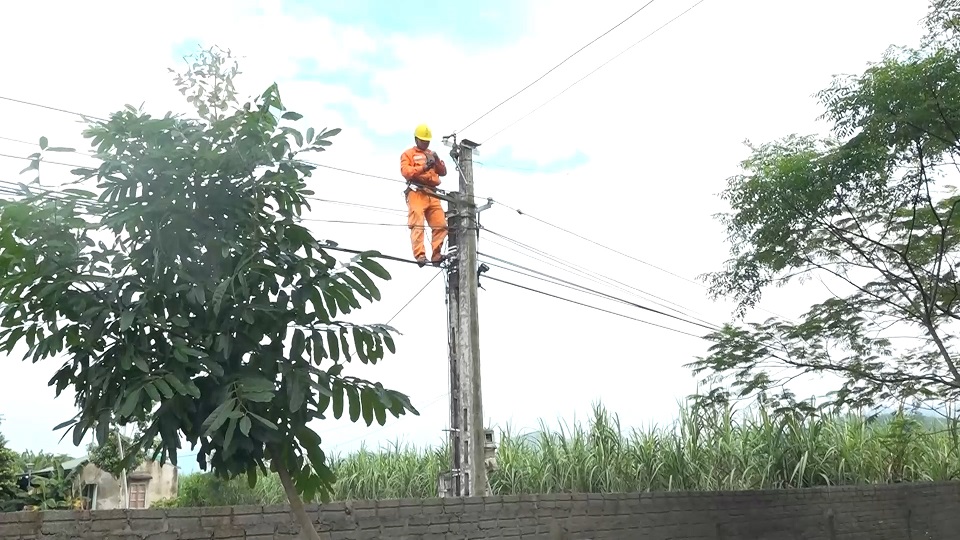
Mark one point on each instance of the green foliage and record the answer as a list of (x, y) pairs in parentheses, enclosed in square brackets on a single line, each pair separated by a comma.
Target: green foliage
[(29, 459), (707, 449), (11, 497), (107, 456), (943, 23), (187, 296), (869, 209), (50, 491), (54, 491)]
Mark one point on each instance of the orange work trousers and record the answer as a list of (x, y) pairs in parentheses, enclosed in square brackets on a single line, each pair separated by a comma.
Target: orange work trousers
[(421, 206)]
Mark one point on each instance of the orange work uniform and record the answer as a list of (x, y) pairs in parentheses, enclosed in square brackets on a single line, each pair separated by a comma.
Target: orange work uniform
[(420, 205)]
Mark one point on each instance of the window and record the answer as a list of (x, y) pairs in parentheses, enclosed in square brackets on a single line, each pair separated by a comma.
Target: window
[(89, 496), (137, 493)]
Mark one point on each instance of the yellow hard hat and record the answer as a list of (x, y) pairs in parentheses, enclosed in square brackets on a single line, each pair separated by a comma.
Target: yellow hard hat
[(422, 132)]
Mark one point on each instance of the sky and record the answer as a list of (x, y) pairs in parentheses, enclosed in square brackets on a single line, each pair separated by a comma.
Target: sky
[(633, 157)]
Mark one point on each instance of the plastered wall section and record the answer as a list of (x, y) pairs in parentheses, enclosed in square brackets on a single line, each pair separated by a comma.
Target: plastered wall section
[(161, 480), (889, 512)]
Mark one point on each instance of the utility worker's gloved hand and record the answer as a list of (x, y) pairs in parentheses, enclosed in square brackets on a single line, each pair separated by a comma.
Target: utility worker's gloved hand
[(431, 160)]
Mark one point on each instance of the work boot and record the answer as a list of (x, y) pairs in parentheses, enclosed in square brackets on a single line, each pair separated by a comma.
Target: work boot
[(421, 261), (438, 259)]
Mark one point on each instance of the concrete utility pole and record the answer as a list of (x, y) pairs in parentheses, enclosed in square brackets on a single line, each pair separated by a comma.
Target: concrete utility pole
[(471, 444)]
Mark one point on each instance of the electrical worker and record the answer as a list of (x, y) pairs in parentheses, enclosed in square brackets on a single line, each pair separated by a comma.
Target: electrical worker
[(423, 168)]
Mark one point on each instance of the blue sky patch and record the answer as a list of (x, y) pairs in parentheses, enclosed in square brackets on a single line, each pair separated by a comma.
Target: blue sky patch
[(504, 159), (185, 48), (487, 23), (360, 83), (492, 23), (401, 141)]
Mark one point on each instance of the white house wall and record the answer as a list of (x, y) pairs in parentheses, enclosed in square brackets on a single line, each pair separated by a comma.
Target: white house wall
[(162, 483)]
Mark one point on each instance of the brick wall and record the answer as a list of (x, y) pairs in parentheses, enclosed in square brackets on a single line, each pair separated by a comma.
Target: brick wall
[(890, 512)]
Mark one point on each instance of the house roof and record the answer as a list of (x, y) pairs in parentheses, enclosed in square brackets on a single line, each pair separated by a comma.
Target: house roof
[(68, 465)]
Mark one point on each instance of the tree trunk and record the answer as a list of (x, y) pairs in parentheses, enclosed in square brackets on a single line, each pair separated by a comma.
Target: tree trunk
[(307, 530)]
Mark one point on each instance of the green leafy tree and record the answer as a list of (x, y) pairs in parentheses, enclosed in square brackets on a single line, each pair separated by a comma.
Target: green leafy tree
[(117, 454), (11, 496), (53, 491), (188, 296), (29, 459), (49, 491), (869, 207), (942, 23)]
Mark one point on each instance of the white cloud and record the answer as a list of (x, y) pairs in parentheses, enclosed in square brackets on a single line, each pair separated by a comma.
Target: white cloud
[(662, 127)]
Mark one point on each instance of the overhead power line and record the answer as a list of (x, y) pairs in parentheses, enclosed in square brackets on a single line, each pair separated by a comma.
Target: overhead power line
[(518, 211), (578, 81), (384, 209), (13, 190), (380, 256), (493, 278), (618, 252), (16, 189), (598, 244), (378, 177), (575, 286), (538, 79), (531, 289), (331, 167), (49, 194), (44, 160), (592, 275), (375, 176), (410, 261), (414, 297), (369, 223), (48, 107)]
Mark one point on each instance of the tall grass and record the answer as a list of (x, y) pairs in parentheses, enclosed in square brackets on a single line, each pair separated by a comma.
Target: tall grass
[(704, 450)]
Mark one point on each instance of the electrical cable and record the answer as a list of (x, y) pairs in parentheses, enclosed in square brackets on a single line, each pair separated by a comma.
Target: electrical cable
[(308, 162), (518, 211), (32, 104), (348, 222), (397, 180), (49, 192), (21, 141), (560, 280), (538, 79), (331, 201), (11, 188), (598, 244), (361, 205), (618, 252), (314, 164), (596, 277), (595, 292), (578, 81), (414, 297), (401, 181), (493, 278), (376, 176), (74, 165), (404, 225), (378, 256), (410, 261), (593, 277), (565, 266), (397, 210)]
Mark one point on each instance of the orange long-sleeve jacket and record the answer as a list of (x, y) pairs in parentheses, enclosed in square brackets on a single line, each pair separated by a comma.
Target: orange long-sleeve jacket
[(412, 167)]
